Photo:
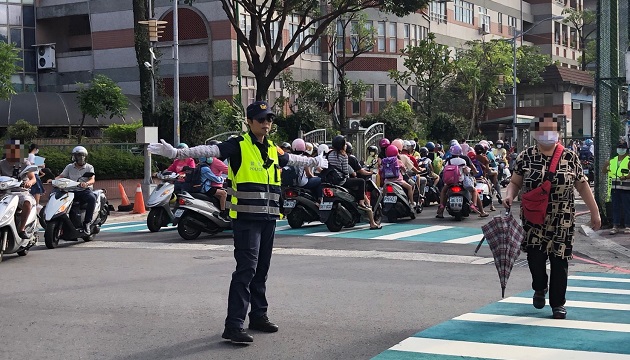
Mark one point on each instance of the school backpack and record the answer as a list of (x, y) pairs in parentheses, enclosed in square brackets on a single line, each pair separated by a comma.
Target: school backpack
[(194, 178), (451, 174), (391, 169)]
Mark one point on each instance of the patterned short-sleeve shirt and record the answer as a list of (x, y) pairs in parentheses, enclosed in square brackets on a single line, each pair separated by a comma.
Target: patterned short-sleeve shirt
[(556, 234)]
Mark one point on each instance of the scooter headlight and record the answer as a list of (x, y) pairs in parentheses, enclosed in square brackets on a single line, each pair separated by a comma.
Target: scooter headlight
[(8, 214), (61, 183)]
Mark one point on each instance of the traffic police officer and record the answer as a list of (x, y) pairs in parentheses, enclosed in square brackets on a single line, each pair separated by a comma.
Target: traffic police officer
[(254, 186), (618, 170)]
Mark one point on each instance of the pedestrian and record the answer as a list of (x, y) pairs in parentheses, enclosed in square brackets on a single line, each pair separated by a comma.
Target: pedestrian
[(553, 239), (38, 189), (254, 176), (618, 170)]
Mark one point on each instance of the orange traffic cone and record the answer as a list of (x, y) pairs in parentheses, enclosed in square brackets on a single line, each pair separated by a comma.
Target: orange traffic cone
[(125, 205), (138, 207)]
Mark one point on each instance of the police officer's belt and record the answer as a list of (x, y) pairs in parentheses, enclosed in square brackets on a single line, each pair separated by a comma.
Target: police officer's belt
[(249, 195), (254, 209)]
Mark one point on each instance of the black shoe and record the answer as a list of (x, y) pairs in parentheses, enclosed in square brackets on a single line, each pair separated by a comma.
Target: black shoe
[(223, 218), (86, 229), (559, 312), (237, 335), (539, 299), (263, 324), (23, 234)]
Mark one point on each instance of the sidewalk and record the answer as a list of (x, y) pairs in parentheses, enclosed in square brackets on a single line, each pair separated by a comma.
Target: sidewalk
[(123, 216)]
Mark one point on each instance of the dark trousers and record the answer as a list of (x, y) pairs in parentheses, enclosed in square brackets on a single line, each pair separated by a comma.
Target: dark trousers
[(253, 243), (89, 198), (356, 186), (620, 207), (537, 260)]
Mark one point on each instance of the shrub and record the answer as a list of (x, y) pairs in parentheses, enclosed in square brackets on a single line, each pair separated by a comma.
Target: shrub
[(23, 131), (122, 133)]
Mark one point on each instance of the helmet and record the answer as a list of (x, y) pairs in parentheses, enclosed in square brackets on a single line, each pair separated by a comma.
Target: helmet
[(285, 145), (372, 149), (406, 144), (322, 149), (391, 150), (479, 149), (490, 143), (383, 143), (424, 151), (485, 144), (339, 142), (453, 142), (412, 144), (500, 142), (456, 150), (309, 148), (298, 145), (588, 142), (213, 142), (182, 146), (79, 154), (348, 147), (398, 143), (438, 146), (430, 145), (472, 155)]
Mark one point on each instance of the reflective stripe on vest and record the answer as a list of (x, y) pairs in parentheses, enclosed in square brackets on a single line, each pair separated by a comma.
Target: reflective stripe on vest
[(615, 168), (255, 190)]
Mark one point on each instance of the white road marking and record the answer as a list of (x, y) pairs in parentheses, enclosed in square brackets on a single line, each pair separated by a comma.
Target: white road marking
[(533, 321), (595, 278), (574, 304), (393, 255), (497, 351), (413, 232), (465, 240)]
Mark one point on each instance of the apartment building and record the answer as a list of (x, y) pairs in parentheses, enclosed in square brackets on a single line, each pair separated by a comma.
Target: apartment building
[(96, 36)]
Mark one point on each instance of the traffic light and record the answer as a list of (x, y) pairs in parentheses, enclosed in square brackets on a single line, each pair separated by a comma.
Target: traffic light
[(156, 27)]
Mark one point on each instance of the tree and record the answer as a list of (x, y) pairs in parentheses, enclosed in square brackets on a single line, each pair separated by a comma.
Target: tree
[(581, 21), (485, 72), (102, 98), (429, 66), (23, 131), (361, 41), (9, 57), (266, 50), (589, 54), (122, 133), (399, 120), (141, 12)]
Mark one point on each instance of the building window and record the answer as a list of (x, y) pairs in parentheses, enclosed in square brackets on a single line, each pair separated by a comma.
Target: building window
[(484, 18), (407, 35), (500, 22), (354, 36), (382, 92), (356, 108), (511, 25), (315, 49), (464, 11), (437, 11), (393, 47), (369, 92), (368, 107), (557, 33), (565, 35), (574, 39), (17, 26), (340, 40), (393, 92), (274, 92), (294, 23), (248, 85), (381, 36)]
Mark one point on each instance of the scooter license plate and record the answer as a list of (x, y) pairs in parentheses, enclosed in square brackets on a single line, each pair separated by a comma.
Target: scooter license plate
[(179, 212), (390, 199), (586, 171), (325, 206), (456, 201), (289, 204)]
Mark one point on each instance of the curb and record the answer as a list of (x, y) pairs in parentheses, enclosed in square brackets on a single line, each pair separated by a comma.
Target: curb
[(113, 219)]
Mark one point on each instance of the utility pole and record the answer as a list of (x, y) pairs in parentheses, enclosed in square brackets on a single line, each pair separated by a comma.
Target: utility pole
[(175, 74)]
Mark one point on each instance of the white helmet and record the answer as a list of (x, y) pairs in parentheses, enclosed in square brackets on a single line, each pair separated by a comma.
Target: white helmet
[(79, 155), (80, 150)]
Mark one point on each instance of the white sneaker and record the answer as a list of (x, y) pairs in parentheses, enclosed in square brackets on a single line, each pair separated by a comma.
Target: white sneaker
[(613, 231), (626, 230)]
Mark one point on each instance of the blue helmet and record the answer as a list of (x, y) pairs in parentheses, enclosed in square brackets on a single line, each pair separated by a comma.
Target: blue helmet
[(588, 142), (430, 145)]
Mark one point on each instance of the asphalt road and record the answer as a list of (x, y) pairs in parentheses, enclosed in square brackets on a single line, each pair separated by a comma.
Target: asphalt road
[(131, 294)]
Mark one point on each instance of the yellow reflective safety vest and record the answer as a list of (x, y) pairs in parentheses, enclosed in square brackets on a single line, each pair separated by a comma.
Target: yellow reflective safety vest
[(615, 168), (255, 187)]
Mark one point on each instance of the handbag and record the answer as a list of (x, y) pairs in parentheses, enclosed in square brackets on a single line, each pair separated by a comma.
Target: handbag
[(534, 202)]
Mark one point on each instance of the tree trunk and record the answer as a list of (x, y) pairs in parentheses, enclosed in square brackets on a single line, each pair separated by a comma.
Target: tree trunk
[(142, 46), (263, 82), (343, 94), (473, 114), (80, 133)]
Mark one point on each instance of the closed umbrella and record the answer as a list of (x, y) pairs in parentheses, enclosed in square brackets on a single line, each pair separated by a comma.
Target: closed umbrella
[(504, 236)]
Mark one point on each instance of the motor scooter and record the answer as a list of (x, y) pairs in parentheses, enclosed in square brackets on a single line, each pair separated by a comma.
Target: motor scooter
[(63, 216), (197, 213), (339, 208), (457, 201), (299, 206), (483, 190), (161, 202), (589, 170), (10, 217), (396, 203), (505, 176)]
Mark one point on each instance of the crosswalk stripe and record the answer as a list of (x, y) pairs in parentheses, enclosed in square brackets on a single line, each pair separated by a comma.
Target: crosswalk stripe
[(598, 290), (532, 321), (575, 304), (595, 278), (119, 227), (497, 351), (345, 231), (465, 240), (413, 232)]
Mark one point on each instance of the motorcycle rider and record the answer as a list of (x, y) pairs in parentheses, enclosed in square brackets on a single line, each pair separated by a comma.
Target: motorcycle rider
[(212, 182), (11, 166), (493, 174), (180, 166), (305, 177), (372, 159), (75, 171)]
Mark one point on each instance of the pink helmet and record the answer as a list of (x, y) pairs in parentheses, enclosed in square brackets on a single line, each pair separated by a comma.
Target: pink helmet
[(383, 143), (398, 143), (298, 145), (391, 151)]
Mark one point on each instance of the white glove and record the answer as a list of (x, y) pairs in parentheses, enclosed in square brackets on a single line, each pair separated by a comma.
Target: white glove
[(163, 148), (322, 162)]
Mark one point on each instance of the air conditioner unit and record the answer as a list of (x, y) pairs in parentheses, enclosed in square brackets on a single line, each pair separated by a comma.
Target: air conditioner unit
[(46, 57), (354, 124), (484, 29)]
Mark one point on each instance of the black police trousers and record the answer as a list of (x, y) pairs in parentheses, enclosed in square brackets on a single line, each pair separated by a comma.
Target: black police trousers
[(253, 243)]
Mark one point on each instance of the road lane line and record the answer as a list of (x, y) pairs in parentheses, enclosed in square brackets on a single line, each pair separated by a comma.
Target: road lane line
[(413, 232), (533, 321), (574, 304), (496, 351), (595, 278)]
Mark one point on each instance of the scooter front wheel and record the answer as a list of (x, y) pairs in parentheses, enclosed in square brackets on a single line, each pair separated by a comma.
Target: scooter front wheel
[(52, 234), (155, 219), (333, 223), (186, 230)]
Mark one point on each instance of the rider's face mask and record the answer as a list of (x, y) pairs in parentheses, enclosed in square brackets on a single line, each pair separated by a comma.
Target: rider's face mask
[(79, 159)]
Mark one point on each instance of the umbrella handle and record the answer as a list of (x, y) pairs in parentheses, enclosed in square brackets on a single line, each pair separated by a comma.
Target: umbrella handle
[(479, 245)]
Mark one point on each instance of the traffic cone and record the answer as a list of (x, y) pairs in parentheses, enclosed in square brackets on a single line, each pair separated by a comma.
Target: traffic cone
[(138, 207), (125, 205)]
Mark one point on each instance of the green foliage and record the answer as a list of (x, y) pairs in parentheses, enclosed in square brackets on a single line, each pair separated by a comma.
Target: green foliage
[(308, 117), (197, 120), (102, 98), (23, 131), (9, 57), (581, 20), (109, 162), (589, 54), (399, 120), (122, 133), (445, 126)]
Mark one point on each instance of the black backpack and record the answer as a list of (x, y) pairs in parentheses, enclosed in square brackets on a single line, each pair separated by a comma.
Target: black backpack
[(194, 178), (290, 176)]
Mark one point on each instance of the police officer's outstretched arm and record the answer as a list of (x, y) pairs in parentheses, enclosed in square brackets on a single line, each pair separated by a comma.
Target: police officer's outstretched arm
[(303, 161), (165, 149)]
